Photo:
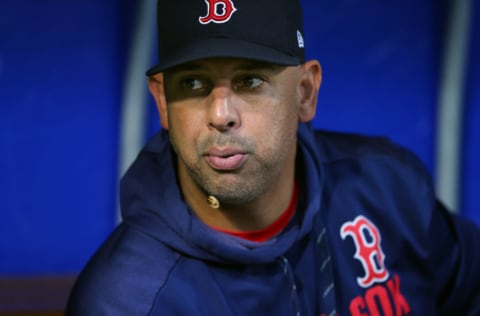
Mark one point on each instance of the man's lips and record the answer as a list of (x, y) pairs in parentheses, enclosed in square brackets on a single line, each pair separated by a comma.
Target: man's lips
[(225, 159)]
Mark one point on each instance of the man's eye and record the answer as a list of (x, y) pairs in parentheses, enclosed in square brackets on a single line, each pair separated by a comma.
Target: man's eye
[(192, 84), (249, 82)]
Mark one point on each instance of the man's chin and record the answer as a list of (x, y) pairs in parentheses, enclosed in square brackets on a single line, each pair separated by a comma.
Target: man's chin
[(234, 195)]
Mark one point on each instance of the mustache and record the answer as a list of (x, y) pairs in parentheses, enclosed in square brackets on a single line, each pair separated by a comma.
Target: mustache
[(224, 140)]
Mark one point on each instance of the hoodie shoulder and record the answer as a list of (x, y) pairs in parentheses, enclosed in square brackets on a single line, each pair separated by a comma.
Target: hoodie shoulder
[(335, 146), (123, 277)]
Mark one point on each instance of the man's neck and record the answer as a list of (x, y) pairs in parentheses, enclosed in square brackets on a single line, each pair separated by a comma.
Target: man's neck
[(271, 230)]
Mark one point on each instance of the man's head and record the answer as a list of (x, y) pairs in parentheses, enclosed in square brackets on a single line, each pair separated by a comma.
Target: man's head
[(230, 102)]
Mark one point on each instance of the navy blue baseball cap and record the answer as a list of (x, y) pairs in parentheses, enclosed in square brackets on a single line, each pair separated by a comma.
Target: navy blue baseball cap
[(263, 30)]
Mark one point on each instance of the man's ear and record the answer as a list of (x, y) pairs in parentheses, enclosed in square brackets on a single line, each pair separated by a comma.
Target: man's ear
[(155, 85), (309, 86)]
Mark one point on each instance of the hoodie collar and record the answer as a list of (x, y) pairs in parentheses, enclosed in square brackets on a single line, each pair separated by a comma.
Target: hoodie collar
[(151, 202)]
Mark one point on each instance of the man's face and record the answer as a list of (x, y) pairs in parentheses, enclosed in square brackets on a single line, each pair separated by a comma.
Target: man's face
[(233, 126)]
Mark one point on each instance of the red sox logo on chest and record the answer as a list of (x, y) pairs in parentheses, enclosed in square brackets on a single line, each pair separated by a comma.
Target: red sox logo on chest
[(382, 295), (366, 237), (218, 11)]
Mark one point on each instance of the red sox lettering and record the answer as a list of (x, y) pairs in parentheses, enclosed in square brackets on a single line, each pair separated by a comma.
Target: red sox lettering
[(219, 11), (382, 295)]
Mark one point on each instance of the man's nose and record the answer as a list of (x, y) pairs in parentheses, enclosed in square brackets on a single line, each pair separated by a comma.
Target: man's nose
[(223, 111)]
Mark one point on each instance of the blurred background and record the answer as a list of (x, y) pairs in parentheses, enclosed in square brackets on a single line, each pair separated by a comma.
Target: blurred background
[(74, 109)]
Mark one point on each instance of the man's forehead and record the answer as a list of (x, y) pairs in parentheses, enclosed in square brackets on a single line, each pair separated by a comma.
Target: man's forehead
[(223, 64)]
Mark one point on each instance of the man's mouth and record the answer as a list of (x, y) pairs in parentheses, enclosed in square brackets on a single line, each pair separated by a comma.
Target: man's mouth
[(224, 161)]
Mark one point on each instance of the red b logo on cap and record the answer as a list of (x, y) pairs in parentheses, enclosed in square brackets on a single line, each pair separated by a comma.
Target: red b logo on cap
[(219, 11)]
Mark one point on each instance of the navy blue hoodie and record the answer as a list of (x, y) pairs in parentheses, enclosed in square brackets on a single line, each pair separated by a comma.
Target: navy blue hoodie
[(393, 247)]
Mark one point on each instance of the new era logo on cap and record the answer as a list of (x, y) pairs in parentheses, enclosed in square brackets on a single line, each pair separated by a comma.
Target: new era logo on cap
[(219, 11), (301, 43), (264, 30)]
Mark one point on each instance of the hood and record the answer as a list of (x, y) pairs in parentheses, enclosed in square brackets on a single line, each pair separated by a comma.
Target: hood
[(151, 203)]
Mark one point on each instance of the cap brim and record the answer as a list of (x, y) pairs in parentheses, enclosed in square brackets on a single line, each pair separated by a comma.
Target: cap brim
[(223, 48)]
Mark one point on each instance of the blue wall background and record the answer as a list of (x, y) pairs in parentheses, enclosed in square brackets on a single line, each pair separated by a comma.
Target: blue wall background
[(62, 69), (471, 161), (381, 66), (61, 73)]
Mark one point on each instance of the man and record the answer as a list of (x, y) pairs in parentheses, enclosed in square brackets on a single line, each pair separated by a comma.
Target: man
[(239, 208)]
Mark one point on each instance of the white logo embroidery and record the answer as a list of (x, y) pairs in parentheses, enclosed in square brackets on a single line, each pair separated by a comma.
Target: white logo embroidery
[(300, 41)]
